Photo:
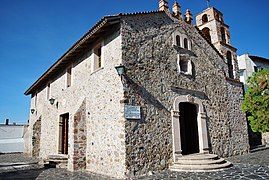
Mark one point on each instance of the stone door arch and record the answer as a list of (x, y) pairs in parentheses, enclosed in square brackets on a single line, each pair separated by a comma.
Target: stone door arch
[(201, 124)]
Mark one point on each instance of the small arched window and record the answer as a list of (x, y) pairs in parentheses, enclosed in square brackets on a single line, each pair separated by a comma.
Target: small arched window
[(230, 64), (206, 32), (223, 37), (204, 18), (185, 43), (178, 40)]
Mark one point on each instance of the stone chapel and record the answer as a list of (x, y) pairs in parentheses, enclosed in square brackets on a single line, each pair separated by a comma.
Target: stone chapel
[(141, 92)]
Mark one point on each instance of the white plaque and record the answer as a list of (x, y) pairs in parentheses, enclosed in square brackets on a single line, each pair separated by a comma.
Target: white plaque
[(132, 112)]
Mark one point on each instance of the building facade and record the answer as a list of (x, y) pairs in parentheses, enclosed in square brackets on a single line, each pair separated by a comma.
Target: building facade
[(248, 64), (175, 97)]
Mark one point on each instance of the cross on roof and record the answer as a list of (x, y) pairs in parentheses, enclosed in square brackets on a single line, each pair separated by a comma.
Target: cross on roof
[(208, 1)]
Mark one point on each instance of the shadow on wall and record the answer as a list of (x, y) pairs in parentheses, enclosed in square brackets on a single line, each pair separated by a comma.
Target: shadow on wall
[(36, 138), (208, 134), (142, 93), (198, 94)]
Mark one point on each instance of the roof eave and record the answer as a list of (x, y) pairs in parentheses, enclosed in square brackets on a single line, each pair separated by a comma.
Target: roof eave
[(254, 58), (105, 20)]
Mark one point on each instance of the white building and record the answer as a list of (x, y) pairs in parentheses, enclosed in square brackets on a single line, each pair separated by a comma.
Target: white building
[(11, 138), (248, 64)]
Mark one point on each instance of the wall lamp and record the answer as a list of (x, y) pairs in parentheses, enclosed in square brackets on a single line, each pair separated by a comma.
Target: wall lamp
[(120, 69), (32, 111), (51, 100)]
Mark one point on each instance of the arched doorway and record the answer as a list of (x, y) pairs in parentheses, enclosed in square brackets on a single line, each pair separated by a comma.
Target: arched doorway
[(189, 126)]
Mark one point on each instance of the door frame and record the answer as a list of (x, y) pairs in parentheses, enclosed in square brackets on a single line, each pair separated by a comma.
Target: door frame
[(201, 123), (63, 133), (188, 128)]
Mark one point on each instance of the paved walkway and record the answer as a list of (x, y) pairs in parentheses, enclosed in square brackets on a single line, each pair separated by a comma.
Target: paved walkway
[(250, 166)]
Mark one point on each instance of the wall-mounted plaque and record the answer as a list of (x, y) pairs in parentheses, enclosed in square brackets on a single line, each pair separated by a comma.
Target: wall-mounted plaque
[(132, 112)]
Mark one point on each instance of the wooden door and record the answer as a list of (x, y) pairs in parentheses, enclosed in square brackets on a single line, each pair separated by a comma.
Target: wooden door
[(188, 128), (63, 134)]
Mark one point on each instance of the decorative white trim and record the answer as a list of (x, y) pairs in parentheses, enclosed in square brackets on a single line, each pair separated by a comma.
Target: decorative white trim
[(182, 37), (201, 123), (189, 65)]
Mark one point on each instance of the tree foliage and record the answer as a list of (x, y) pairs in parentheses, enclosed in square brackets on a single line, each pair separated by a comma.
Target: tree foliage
[(256, 102)]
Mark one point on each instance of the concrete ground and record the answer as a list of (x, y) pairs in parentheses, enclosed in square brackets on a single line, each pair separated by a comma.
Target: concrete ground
[(251, 166)]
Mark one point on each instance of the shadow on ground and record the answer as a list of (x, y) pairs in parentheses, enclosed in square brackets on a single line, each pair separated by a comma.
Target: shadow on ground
[(21, 174)]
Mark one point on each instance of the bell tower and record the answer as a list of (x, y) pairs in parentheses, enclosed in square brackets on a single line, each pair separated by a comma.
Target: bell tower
[(211, 23)]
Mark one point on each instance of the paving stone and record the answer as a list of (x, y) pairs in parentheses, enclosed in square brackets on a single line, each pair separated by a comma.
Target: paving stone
[(245, 167)]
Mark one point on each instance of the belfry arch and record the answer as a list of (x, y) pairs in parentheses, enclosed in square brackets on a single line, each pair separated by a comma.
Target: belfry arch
[(201, 124)]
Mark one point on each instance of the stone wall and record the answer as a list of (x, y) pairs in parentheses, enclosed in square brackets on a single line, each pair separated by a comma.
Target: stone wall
[(95, 96), (265, 139), (27, 141), (80, 138), (237, 120), (105, 120), (153, 81), (49, 128), (36, 138)]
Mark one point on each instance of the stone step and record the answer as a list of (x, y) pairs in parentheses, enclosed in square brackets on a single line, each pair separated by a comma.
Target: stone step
[(197, 157), (58, 157), (199, 162), (56, 161), (259, 148), (208, 167)]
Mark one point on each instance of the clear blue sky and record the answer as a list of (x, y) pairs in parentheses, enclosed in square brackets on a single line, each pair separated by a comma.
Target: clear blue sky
[(35, 33)]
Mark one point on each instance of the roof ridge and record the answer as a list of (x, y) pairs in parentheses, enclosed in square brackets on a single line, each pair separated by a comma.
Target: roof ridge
[(141, 12)]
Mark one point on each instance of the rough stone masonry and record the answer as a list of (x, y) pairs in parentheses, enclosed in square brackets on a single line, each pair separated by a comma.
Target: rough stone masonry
[(153, 82), (100, 138)]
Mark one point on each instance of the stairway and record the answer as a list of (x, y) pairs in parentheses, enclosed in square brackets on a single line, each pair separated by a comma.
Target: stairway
[(56, 161), (199, 162)]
